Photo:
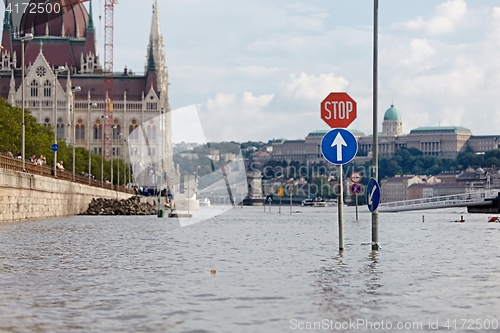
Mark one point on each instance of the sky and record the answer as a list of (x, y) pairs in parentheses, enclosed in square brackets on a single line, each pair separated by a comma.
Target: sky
[(258, 70)]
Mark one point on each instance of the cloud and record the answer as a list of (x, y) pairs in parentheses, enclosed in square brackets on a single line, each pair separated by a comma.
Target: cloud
[(420, 50), (257, 71), (445, 19), (228, 117), (306, 23), (312, 87)]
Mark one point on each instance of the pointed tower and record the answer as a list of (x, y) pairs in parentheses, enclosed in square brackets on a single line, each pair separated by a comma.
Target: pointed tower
[(90, 35), (7, 32), (157, 64), (151, 77)]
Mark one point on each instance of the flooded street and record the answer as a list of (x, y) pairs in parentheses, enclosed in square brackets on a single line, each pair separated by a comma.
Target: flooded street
[(274, 273)]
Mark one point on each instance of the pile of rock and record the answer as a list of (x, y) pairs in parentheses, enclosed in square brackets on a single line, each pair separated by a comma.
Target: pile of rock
[(131, 206)]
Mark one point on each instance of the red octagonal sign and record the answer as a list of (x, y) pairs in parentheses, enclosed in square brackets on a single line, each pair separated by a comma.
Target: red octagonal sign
[(338, 110)]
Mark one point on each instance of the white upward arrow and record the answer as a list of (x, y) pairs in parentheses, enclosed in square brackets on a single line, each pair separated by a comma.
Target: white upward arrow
[(339, 142)]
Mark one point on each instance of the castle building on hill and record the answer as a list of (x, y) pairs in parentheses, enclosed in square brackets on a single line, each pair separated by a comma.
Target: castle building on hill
[(440, 141), (69, 40)]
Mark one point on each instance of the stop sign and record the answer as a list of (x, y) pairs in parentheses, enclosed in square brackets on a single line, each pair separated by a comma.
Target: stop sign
[(338, 110)]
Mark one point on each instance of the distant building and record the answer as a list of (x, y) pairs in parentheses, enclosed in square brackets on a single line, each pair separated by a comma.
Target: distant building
[(292, 150), (399, 188)]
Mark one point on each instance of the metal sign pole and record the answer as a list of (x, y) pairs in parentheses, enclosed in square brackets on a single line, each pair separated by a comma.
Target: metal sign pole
[(280, 207), (340, 210), (356, 207), (375, 243)]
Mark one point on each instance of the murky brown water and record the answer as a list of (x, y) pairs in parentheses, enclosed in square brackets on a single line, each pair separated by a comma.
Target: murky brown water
[(275, 273)]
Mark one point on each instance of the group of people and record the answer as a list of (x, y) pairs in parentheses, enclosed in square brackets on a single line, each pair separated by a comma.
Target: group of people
[(87, 175), (38, 161)]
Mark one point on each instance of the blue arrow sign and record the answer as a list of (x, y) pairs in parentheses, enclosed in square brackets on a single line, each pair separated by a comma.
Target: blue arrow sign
[(372, 194), (54, 147), (339, 146)]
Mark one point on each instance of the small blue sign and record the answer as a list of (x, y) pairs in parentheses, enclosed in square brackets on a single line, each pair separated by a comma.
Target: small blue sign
[(356, 188), (339, 146), (372, 195), (269, 198), (54, 147)]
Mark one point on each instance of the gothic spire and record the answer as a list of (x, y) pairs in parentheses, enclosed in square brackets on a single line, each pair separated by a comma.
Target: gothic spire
[(151, 59), (155, 34), (6, 19), (90, 27)]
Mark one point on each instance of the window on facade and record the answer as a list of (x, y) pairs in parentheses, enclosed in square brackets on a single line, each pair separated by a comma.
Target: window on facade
[(34, 88), (134, 135), (47, 89), (116, 132), (80, 132), (97, 132), (60, 131)]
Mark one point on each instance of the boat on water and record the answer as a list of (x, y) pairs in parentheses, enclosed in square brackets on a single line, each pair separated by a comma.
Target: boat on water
[(315, 202)]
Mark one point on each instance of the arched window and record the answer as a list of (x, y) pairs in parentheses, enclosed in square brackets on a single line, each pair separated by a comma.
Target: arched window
[(47, 89), (34, 88), (80, 132), (116, 132), (97, 132), (133, 134)]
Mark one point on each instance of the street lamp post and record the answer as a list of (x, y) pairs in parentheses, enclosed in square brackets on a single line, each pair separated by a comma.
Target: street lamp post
[(112, 152), (73, 125), (124, 163), (91, 106), (58, 70), (118, 179), (26, 38), (102, 150)]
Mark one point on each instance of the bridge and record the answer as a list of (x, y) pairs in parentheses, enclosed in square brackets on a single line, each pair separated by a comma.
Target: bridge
[(476, 198)]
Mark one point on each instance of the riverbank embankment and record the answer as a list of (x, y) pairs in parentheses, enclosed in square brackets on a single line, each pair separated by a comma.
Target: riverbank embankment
[(25, 196)]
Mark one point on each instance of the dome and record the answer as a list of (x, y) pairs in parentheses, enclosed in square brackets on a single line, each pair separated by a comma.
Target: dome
[(392, 114), (71, 21), (479, 171)]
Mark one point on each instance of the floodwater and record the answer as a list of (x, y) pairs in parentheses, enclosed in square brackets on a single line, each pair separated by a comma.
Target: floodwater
[(274, 273)]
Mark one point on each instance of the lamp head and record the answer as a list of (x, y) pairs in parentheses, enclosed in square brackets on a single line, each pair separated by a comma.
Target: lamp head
[(27, 37), (76, 89)]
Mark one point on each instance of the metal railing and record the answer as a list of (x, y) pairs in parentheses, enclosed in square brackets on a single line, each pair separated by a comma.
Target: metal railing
[(456, 200), (15, 164)]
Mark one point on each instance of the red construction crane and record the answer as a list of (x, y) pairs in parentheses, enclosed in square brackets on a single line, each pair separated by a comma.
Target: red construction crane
[(108, 76)]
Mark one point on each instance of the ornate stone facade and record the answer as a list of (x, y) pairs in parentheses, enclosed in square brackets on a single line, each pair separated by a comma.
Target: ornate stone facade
[(140, 101)]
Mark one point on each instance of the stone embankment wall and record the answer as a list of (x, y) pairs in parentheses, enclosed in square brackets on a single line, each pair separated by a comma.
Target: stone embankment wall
[(25, 196)]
